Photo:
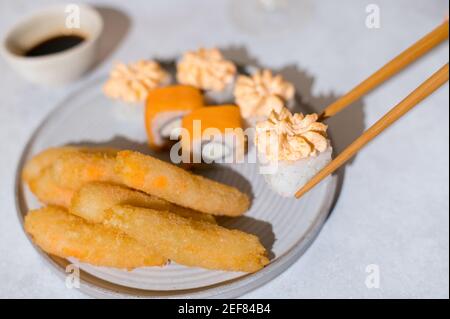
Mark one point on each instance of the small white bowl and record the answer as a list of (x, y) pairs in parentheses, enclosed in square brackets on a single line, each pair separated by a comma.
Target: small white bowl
[(61, 67)]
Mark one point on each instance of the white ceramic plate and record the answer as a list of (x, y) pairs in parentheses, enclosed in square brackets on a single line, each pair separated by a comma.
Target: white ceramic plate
[(286, 227)]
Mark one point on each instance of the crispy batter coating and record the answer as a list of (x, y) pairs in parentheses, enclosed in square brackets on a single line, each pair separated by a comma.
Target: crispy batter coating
[(178, 186), (62, 234), (76, 169), (189, 242), (39, 173), (34, 167), (93, 199), (48, 192)]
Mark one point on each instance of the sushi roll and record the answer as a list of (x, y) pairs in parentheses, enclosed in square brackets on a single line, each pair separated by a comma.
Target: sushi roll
[(164, 110), (291, 148), (214, 134), (129, 85), (260, 93), (209, 71)]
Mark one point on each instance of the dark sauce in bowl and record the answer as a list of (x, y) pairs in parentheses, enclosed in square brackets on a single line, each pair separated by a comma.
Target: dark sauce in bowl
[(54, 44)]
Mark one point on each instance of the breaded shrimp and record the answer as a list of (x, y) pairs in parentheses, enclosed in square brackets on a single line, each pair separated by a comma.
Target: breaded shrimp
[(46, 158), (48, 192), (62, 234), (34, 167), (76, 169), (189, 242), (178, 186), (39, 174), (93, 199)]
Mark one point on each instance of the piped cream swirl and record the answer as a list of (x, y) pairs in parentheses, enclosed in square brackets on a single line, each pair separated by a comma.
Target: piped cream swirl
[(132, 82), (289, 137), (259, 94), (206, 69)]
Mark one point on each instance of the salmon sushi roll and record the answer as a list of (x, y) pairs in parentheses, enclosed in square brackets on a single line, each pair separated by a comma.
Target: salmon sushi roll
[(292, 148), (165, 108), (214, 134)]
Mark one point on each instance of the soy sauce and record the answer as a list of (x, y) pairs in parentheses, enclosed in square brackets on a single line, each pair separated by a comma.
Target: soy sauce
[(55, 44)]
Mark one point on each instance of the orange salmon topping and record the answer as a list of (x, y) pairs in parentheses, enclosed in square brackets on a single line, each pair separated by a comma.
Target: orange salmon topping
[(220, 117)]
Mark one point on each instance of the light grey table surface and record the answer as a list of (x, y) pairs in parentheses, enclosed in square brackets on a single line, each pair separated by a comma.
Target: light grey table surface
[(393, 210)]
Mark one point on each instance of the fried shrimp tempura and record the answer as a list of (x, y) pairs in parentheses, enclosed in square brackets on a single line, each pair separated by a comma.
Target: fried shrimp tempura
[(39, 174), (62, 234), (178, 186), (48, 192), (34, 167), (189, 242), (76, 169), (93, 199)]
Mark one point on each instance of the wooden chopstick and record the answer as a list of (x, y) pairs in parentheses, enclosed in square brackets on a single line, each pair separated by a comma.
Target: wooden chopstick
[(405, 58), (419, 94)]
